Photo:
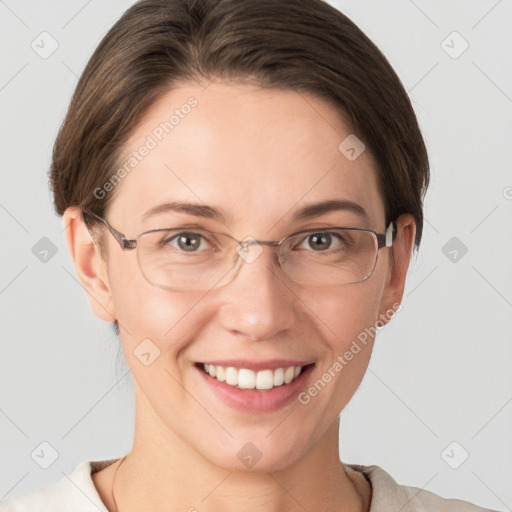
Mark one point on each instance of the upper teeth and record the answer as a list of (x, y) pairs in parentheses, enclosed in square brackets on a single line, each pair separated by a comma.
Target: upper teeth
[(249, 379)]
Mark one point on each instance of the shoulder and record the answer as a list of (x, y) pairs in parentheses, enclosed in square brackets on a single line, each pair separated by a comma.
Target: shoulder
[(75, 492), (389, 496)]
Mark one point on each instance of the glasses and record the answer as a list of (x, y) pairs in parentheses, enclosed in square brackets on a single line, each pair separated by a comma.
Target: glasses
[(200, 259)]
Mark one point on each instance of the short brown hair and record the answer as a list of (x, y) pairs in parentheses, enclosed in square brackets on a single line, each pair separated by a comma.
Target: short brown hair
[(302, 45)]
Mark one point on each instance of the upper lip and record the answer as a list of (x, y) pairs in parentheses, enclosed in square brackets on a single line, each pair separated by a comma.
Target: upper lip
[(270, 364)]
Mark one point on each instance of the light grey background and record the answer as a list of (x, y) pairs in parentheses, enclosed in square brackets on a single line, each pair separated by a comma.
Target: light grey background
[(441, 370)]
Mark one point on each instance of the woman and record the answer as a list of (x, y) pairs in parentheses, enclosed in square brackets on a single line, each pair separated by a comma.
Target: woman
[(242, 187)]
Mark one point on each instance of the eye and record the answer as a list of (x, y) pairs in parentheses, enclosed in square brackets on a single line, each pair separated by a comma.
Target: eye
[(322, 241), (188, 241)]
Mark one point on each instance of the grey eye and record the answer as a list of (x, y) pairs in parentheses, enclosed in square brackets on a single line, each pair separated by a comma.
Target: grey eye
[(319, 241), (187, 241)]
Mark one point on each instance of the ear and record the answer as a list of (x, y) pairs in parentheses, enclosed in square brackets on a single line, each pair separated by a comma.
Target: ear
[(402, 248), (89, 265)]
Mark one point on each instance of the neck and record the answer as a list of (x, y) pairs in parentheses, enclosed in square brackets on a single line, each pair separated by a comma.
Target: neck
[(170, 475)]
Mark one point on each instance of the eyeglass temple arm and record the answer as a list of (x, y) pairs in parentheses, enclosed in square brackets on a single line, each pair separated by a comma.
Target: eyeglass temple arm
[(386, 239), (122, 240)]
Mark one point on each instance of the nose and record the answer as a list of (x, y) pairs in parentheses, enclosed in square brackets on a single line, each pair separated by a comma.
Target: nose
[(259, 302)]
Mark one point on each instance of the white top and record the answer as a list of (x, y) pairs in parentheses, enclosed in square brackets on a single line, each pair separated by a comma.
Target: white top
[(77, 493)]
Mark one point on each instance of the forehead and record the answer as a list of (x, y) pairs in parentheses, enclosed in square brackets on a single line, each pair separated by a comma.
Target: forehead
[(246, 150)]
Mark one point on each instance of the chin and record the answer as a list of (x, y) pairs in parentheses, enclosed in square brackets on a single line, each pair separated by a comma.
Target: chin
[(257, 454)]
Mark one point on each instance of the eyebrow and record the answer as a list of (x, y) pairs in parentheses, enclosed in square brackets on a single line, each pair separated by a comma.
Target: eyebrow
[(210, 212)]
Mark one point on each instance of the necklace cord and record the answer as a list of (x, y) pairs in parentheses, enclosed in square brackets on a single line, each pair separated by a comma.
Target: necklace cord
[(113, 482)]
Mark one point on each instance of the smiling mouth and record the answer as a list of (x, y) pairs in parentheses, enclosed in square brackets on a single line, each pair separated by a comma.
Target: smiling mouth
[(247, 379)]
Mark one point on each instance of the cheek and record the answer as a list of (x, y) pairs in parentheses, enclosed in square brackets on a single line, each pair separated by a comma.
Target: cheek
[(148, 312), (345, 312), (156, 327), (347, 321)]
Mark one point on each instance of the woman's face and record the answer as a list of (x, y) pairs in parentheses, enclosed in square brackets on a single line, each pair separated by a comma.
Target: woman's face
[(259, 156)]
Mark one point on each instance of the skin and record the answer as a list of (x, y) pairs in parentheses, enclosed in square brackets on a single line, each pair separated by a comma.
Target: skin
[(245, 150)]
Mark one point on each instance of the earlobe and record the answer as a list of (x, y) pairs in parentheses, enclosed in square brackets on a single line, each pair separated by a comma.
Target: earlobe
[(402, 250), (89, 265)]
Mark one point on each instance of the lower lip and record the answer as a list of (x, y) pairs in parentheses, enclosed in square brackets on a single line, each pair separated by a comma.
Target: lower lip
[(252, 400)]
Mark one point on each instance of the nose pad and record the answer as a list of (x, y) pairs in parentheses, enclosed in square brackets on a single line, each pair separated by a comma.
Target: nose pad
[(249, 249)]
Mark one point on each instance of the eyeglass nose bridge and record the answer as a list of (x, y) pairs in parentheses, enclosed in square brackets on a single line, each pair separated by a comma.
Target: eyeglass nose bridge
[(250, 257), (245, 243)]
